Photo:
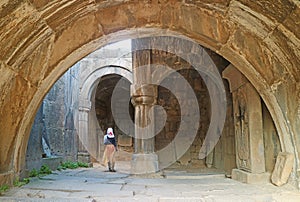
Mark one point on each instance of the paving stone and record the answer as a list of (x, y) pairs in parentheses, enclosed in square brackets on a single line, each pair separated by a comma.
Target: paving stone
[(69, 186)]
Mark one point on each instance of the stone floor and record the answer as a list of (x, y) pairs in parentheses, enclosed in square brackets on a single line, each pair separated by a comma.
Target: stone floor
[(96, 184)]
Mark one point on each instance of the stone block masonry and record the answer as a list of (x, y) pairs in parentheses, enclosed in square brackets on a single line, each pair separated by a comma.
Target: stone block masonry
[(283, 168)]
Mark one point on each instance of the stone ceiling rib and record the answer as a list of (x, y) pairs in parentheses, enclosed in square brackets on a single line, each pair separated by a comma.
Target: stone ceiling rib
[(60, 13)]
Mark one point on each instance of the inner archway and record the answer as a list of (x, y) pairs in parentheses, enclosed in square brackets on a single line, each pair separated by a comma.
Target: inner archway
[(89, 90), (105, 118)]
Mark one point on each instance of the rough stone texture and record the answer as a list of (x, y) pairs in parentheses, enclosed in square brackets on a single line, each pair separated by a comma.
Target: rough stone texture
[(223, 156), (25, 25), (35, 151), (143, 97), (83, 157), (271, 140), (55, 123), (60, 109), (143, 163), (12, 107), (75, 185), (52, 162), (168, 100), (283, 168), (77, 30), (250, 178), (225, 153), (99, 73), (248, 122)]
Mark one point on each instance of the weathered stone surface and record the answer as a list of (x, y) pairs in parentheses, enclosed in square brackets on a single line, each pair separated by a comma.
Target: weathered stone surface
[(14, 104), (25, 24), (5, 85), (35, 151), (293, 20), (245, 42), (118, 19), (271, 139), (250, 178), (144, 163), (209, 3), (7, 178), (287, 53), (35, 64), (168, 101), (124, 140), (60, 14), (55, 123), (83, 157), (52, 162), (276, 10), (144, 96), (250, 19), (248, 124), (82, 31), (147, 13), (283, 168), (209, 28), (28, 32)]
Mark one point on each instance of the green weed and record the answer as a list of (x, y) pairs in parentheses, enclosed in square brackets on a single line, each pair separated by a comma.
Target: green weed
[(3, 189), (34, 173), (45, 170), (71, 165), (18, 183), (84, 165)]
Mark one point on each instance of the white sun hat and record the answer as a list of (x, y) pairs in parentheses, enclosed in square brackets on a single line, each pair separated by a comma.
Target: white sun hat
[(110, 133)]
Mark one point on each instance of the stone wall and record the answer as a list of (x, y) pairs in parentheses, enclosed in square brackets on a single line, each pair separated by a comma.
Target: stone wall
[(223, 156), (271, 140), (97, 72), (35, 150), (172, 107), (54, 123)]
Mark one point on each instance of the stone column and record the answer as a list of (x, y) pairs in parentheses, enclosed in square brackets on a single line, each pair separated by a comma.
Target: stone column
[(83, 155), (144, 97), (248, 125)]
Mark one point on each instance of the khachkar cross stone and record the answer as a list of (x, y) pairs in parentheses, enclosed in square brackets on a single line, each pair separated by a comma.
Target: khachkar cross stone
[(242, 132), (248, 125)]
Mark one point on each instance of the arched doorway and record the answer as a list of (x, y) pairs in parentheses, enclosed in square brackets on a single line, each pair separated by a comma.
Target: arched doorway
[(234, 41)]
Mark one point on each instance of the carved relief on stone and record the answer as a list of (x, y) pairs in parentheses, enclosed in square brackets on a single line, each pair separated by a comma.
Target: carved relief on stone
[(242, 131)]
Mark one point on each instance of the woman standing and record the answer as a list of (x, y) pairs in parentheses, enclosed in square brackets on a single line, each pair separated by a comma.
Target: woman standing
[(110, 149)]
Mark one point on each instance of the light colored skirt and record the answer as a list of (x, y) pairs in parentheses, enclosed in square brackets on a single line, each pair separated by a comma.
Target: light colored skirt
[(109, 154)]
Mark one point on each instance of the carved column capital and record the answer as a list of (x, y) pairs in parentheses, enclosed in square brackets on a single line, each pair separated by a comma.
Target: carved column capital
[(85, 105), (145, 94)]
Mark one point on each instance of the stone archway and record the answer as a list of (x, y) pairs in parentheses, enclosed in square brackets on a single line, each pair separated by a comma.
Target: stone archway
[(53, 42), (87, 123)]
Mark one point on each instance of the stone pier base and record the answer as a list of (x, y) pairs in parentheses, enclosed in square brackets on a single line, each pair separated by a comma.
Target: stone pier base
[(7, 178), (144, 163), (52, 162), (84, 157), (250, 178)]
